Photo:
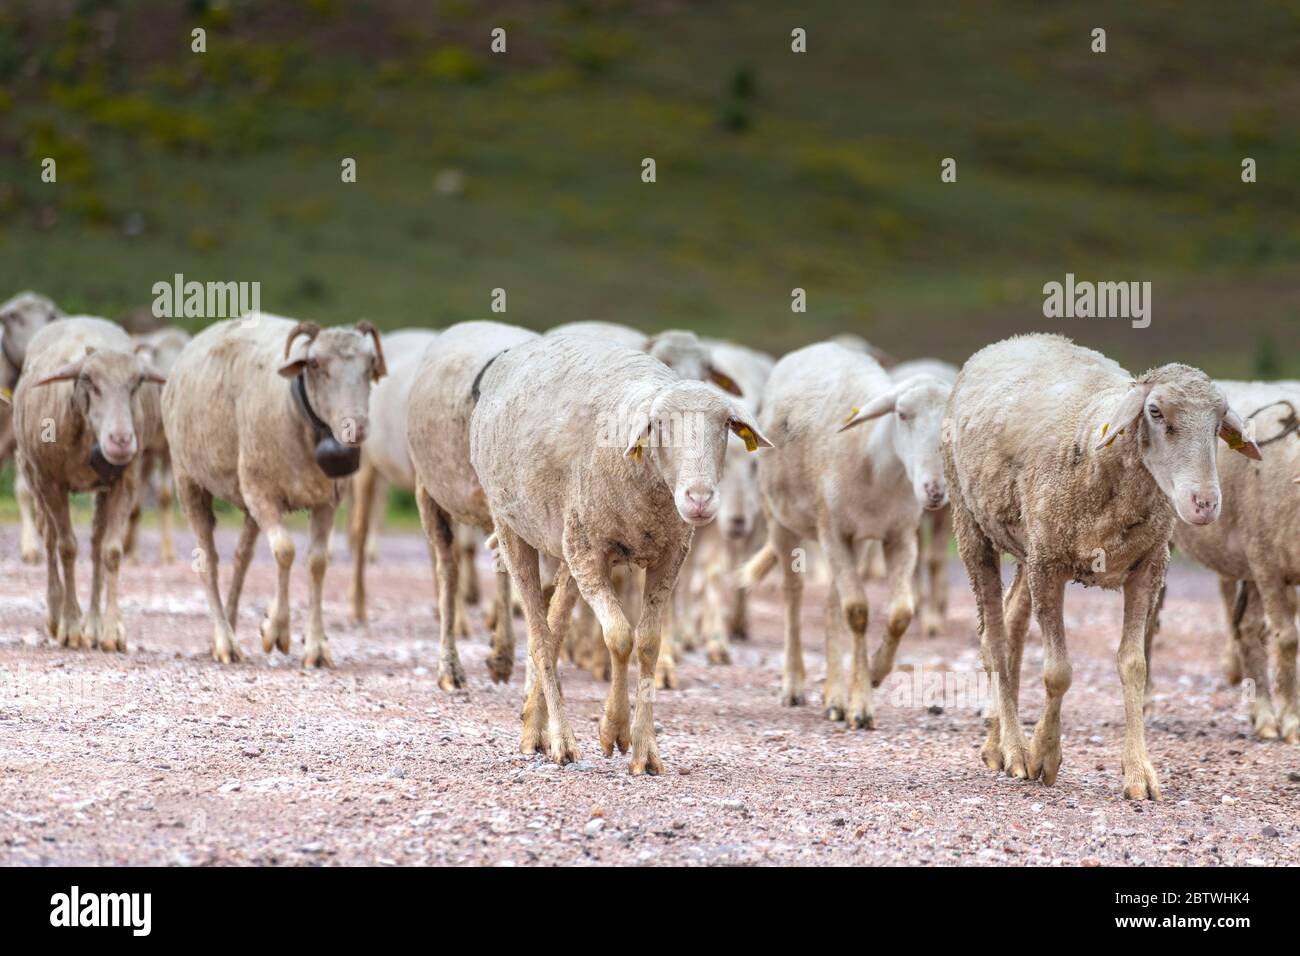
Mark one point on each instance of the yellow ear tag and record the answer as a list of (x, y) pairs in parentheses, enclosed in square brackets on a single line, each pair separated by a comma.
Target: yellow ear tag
[(1234, 439), (851, 414), (6, 393), (1104, 426), (636, 452), (746, 434)]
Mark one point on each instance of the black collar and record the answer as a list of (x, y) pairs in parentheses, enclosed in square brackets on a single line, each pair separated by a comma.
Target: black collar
[(299, 389), (332, 457)]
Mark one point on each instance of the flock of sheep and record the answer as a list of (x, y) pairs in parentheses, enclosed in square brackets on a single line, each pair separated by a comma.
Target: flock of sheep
[(632, 487)]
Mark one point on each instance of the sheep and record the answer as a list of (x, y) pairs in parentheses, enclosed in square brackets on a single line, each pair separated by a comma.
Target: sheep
[(707, 602), (936, 526), (690, 358), (384, 456), (161, 349), (447, 490), (842, 489), (269, 414), (597, 455), (21, 317), (1256, 541), (84, 407), (1059, 457)]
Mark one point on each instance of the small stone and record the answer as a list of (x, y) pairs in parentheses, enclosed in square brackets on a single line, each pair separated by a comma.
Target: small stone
[(1090, 861), (231, 787), (397, 773), (934, 709), (733, 804), (1228, 801), (594, 826), (252, 751), (312, 848), (1271, 831)]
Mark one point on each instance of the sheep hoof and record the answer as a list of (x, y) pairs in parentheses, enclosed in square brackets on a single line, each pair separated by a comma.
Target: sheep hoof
[(563, 748), (451, 676), (500, 666), (275, 633), (1291, 726), (1013, 759), (645, 760), (991, 754), (226, 651), (1140, 783), (317, 655), (30, 556), (793, 698), (69, 633), (666, 677), (1045, 760), (614, 732), (862, 720), (718, 654), (834, 712)]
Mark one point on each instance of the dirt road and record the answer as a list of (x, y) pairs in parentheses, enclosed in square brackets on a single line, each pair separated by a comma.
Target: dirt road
[(161, 756)]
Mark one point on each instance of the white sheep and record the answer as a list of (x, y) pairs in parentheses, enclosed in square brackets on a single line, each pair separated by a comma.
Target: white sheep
[(447, 492), (1257, 541), (21, 317), (936, 526), (597, 455), (160, 349), (841, 489), (84, 407), (269, 414), (384, 456), (1059, 457)]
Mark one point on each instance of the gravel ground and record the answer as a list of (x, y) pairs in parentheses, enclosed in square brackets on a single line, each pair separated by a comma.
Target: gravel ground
[(161, 756)]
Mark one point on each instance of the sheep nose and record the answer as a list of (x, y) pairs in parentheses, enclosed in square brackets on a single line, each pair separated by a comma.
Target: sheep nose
[(120, 445), (356, 429), (738, 526), (935, 493), (1205, 504)]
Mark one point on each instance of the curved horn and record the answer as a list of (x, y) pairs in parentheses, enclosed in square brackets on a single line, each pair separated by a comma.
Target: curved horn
[(309, 329), (381, 367)]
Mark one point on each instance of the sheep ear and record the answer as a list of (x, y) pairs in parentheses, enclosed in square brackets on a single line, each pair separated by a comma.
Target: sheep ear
[(744, 427), (69, 372), (724, 382), (878, 406), (1124, 415), (638, 437), (1232, 431), (6, 396), (292, 369), (149, 374)]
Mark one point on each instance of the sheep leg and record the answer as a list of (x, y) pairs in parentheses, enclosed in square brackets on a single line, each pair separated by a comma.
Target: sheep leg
[(676, 633), (1140, 590), (59, 525), (275, 626), (1016, 609), (784, 542), (1280, 611), (28, 539), (834, 696), (901, 559), (1047, 595), (243, 555), (363, 500), (502, 659), (591, 574), (53, 582), (738, 615), (196, 504), (1232, 660), (470, 592), (1251, 633), (441, 535), (316, 648), (936, 600), (98, 521), (718, 647), (167, 540), (559, 742), (116, 504), (1005, 749), (853, 602), (659, 582)]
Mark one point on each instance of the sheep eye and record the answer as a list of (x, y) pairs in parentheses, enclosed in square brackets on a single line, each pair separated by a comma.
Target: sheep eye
[(1155, 413)]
